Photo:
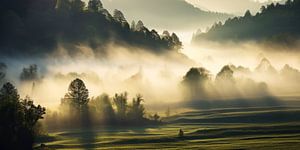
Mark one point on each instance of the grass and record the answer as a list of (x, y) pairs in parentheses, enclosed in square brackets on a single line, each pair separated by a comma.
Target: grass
[(251, 128)]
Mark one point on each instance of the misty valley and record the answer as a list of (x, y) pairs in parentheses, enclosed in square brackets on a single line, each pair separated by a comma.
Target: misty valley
[(133, 74)]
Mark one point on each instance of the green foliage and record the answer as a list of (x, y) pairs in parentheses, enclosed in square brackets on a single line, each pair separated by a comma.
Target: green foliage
[(18, 117)]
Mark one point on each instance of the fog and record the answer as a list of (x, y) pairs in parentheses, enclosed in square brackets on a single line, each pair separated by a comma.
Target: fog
[(155, 76), (159, 77), (271, 64)]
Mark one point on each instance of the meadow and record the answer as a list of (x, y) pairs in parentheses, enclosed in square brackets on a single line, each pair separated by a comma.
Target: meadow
[(230, 128)]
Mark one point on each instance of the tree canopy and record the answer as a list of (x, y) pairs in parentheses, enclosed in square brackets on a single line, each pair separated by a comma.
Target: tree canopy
[(18, 119), (35, 27), (276, 23)]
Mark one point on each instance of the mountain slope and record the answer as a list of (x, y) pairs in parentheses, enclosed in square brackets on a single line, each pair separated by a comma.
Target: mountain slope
[(35, 27), (166, 14), (276, 23)]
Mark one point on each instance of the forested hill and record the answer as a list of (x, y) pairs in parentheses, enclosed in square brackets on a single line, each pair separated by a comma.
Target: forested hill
[(167, 14), (275, 23), (40, 26)]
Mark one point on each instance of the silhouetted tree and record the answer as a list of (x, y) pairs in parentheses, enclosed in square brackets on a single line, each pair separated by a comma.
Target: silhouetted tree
[(195, 81), (30, 73), (139, 26), (226, 74), (155, 117), (177, 44), (120, 101), (77, 6), (133, 27), (119, 16), (19, 118), (248, 14), (2, 72), (136, 110), (77, 96), (95, 5), (104, 107)]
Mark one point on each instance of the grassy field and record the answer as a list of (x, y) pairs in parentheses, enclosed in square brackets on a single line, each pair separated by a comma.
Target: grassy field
[(244, 128)]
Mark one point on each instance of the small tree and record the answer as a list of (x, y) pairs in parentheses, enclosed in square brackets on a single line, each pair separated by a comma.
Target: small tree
[(248, 14), (76, 6), (120, 101), (30, 73), (2, 71), (137, 110), (95, 5), (133, 27), (139, 26), (104, 107), (119, 16)]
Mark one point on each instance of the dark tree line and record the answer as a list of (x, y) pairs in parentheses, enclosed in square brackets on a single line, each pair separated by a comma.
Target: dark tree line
[(276, 23), (18, 119), (199, 85), (78, 110), (38, 26)]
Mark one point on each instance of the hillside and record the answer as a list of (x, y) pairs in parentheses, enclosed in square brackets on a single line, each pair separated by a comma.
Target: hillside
[(35, 27), (276, 23), (166, 14)]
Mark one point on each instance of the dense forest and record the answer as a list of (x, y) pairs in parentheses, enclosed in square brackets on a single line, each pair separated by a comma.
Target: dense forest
[(39, 27), (275, 23)]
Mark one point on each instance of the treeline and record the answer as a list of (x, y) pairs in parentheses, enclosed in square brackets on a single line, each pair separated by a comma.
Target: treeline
[(78, 110), (231, 82), (18, 118), (40, 26), (275, 23)]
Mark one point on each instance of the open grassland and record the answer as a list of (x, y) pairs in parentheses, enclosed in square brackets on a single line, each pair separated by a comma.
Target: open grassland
[(239, 128)]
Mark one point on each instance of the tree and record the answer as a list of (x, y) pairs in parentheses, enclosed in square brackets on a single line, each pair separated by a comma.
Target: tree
[(195, 81), (3, 68), (30, 73), (9, 93), (137, 110), (248, 14), (18, 119), (133, 27), (104, 107), (76, 6), (177, 44), (226, 74), (120, 101), (77, 96), (63, 5), (139, 26), (155, 117), (119, 16), (95, 5)]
